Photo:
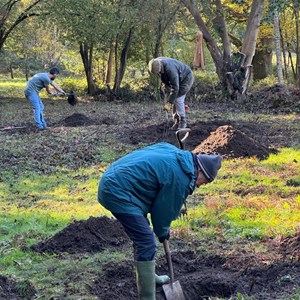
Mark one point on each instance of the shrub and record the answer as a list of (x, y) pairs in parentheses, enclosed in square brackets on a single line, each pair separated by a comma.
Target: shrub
[(77, 85)]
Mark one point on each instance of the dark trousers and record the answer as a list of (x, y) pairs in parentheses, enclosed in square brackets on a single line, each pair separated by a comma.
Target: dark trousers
[(139, 231)]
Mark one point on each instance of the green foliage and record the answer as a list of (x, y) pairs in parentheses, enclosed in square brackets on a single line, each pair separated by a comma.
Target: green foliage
[(266, 82), (79, 86)]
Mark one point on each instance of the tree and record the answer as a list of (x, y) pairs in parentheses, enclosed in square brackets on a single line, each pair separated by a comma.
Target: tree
[(278, 48), (233, 70), (14, 12)]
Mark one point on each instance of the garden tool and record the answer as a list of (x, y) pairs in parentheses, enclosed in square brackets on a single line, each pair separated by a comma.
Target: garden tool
[(72, 98), (172, 290), (180, 132), (181, 141)]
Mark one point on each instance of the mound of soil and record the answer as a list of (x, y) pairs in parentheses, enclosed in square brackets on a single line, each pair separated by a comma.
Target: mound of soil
[(232, 143), (12, 290), (203, 277), (208, 137), (92, 235), (77, 119)]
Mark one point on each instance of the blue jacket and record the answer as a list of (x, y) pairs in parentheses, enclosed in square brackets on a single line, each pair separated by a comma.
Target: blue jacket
[(156, 180)]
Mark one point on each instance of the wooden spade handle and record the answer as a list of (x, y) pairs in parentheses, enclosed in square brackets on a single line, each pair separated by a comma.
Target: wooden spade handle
[(169, 260)]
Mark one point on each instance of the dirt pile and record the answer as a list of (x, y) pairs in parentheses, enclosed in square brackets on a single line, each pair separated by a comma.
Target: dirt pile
[(225, 138), (204, 277), (92, 235), (77, 120), (232, 143)]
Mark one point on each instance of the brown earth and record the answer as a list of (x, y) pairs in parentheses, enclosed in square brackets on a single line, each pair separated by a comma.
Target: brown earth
[(274, 274), (225, 138), (267, 275), (93, 235), (13, 290)]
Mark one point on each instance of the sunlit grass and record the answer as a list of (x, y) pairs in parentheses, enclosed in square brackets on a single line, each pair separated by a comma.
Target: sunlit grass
[(249, 199), (12, 88)]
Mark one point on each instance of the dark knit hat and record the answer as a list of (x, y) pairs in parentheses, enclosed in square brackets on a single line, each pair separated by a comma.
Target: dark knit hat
[(209, 165), (54, 71)]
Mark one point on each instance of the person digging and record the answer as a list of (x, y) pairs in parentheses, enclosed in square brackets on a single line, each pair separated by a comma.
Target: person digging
[(33, 88), (154, 180), (177, 79)]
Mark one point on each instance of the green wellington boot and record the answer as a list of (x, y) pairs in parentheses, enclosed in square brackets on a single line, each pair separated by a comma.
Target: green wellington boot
[(145, 280), (162, 279)]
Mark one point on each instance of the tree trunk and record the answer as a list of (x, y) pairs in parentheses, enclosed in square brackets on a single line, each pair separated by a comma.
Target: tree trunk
[(110, 66), (278, 48), (282, 42), (86, 53), (210, 42), (220, 24), (296, 12), (11, 70), (123, 60), (250, 37), (262, 60), (292, 64), (26, 68)]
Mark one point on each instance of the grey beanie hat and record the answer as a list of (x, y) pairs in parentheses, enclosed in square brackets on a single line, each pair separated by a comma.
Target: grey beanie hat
[(209, 165), (154, 66)]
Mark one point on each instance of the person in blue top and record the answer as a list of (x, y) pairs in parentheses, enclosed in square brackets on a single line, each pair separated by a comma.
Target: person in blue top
[(154, 180), (33, 88), (177, 79)]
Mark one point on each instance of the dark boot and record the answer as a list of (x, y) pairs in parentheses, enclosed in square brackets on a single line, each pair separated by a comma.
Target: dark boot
[(182, 123)]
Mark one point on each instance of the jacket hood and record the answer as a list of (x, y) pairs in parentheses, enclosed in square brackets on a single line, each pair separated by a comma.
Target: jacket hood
[(187, 164)]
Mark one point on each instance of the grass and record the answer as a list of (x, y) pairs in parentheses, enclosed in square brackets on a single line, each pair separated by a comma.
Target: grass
[(42, 190), (250, 199)]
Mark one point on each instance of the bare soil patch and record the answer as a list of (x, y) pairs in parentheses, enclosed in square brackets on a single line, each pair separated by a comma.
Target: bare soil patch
[(230, 141), (90, 236), (13, 290), (202, 275), (8, 289)]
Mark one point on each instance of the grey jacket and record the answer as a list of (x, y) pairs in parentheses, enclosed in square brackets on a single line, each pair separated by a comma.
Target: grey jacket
[(177, 77)]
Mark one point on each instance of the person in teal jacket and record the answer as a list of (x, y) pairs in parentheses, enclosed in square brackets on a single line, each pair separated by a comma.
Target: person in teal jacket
[(154, 180)]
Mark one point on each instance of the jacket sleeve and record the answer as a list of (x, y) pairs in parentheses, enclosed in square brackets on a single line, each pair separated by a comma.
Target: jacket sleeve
[(173, 77), (167, 206)]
